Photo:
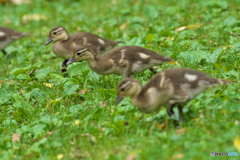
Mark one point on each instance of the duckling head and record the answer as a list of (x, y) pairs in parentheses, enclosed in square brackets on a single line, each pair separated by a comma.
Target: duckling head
[(57, 33), (128, 87), (80, 53)]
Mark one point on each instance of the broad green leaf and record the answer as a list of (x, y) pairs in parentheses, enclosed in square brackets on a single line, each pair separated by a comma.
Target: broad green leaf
[(223, 4), (150, 12), (18, 71), (56, 76), (135, 41), (150, 37), (230, 21), (45, 119), (68, 81), (42, 73), (233, 73), (77, 68), (38, 128), (212, 58), (236, 46), (136, 20), (194, 56), (6, 93), (38, 94), (95, 75), (220, 66), (23, 76), (70, 89), (75, 108)]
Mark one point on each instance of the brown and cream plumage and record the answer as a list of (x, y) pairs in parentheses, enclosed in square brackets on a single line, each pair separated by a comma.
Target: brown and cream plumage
[(64, 44), (169, 88), (124, 60), (7, 36)]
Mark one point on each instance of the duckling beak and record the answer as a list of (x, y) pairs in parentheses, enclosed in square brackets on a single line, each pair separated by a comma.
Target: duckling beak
[(118, 99), (49, 40), (71, 60)]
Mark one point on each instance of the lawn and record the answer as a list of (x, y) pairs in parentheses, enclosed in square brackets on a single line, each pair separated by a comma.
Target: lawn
[(72, 115)]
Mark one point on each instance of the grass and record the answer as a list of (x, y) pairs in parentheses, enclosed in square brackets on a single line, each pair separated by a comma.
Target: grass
[(63, 116)]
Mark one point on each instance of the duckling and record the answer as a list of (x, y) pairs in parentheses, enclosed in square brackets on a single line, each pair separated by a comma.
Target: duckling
[(169, 88), (7, 36), (124, 60), (64, 44)]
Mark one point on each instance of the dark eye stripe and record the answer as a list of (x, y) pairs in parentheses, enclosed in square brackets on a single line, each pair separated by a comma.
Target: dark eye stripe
[(57, 31), (82, 51)]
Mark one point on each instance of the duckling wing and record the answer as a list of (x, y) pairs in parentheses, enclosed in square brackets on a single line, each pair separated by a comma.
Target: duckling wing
[(8, 32), (190, 82), (85, 38), (3, 36)]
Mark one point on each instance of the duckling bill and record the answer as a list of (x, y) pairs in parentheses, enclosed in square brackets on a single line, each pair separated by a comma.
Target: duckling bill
[(124, 60), (169, 88)]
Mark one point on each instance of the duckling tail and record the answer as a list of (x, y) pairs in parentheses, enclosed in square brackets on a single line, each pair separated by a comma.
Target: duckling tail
[(225, 81), (119, 42), (25, 34)]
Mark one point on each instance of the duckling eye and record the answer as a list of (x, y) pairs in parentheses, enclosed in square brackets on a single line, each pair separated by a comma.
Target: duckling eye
[(54, 33), (78, 53), (122, 89)]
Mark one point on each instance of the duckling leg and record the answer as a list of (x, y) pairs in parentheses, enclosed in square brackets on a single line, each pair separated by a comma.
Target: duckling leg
[(180, 112), (64, 63), (4, 52), (153, 70), (128, 72), (170, 111)]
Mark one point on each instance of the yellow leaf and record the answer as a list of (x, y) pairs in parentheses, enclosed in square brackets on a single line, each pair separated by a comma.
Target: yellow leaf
[(34, 17), (180, 29), (236, 143), (193, 26), (48, 85), (225, 47), (77, 122), (171, 38), (57, 113), (224, 111), (123, 26), (188, 27), (174, 63), (160, 126), (60, 156), (178, 156), (18, 2)]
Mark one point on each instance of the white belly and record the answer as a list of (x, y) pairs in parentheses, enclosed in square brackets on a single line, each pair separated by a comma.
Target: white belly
[(5, 43), (139, 66)]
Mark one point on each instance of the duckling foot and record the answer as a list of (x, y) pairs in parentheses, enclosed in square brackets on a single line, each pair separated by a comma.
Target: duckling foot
[(64, 63), (170, 111), (153, 70), (63, 70), (180, 112), (4, 52)]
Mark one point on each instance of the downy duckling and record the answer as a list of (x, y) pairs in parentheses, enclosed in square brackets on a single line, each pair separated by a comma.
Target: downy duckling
[(7, 36), (64, 44), (124, 60), (169, 88)]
